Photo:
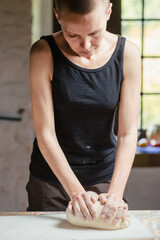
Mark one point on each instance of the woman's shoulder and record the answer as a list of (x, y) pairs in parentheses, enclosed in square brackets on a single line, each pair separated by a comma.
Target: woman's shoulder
[(41, 57), (131, 49), (45, 46), (132, 58), (40, 48)]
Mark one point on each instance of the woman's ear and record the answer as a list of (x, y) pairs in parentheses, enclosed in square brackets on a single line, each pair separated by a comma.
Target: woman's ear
[(57, 16), (109, 11)]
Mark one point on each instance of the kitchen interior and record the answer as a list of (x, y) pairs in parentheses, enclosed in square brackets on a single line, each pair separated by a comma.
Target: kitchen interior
[(21, 24)]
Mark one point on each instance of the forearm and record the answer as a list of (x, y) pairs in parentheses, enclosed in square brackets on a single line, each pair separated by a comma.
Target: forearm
[(57, 161), (126, 147)]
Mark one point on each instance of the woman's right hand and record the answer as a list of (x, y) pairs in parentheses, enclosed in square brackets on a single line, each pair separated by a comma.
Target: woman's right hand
[(82, 205)]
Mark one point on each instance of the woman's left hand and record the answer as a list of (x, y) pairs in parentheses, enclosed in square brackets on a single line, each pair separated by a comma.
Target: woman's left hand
[(113, 205)]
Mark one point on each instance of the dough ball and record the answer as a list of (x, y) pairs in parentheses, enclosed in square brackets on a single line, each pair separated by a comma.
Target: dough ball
[(98, 222)]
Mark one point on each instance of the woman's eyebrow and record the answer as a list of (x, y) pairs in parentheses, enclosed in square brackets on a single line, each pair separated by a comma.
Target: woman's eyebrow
[(94, 32), (70, 33), (88, 34)]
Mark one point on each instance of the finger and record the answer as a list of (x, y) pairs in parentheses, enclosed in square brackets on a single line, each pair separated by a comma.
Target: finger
[(111, 208), (79, 207), (107, 206), (91, 207), (103, 198), (94, 198), (119, 214), (122, 212), (124, 218), (78, 212), (109, 214), (85, 209), (108, 217), (71, 209)]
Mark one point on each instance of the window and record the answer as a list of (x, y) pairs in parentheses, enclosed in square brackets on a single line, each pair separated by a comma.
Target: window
[(140, 22)]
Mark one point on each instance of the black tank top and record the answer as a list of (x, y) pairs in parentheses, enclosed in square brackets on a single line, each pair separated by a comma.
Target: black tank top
[(85, 102)]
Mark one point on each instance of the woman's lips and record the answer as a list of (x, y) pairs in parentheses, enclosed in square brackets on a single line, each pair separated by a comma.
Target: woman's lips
[(86, 52)]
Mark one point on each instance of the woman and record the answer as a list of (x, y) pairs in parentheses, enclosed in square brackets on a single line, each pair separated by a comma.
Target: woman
[(78, 78)]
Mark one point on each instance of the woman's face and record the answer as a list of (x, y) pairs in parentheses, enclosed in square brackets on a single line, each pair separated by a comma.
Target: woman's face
[(84, 33)]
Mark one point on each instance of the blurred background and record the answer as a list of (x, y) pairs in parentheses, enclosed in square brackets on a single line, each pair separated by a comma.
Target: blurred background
[(21, 24)]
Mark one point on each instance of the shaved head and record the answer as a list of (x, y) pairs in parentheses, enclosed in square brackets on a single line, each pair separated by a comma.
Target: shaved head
[(79, 6)]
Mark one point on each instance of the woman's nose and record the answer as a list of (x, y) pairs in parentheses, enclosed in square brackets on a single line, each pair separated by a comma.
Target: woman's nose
[(85, 43)]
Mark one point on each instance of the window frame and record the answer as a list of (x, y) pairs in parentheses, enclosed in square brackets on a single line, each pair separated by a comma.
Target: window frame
[(143, 20)]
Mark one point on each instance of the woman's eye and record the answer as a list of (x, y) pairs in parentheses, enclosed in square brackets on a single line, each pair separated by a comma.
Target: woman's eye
[(72, 36), (95, 34)]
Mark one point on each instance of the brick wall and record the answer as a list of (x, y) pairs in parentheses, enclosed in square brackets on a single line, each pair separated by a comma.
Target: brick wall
[(16, 137)]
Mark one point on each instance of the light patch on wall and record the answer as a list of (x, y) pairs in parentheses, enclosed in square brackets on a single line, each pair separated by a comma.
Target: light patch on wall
[(42, 18)]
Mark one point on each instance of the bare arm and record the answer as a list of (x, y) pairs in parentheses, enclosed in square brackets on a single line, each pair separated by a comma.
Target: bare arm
[(127, 135), (41, 72), (128, 119)]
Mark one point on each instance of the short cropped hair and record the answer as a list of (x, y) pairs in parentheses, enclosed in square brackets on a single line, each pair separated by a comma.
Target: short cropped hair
[(79, 6)]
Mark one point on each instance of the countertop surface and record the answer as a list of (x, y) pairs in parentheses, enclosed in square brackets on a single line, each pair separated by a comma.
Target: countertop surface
[(145, 225)]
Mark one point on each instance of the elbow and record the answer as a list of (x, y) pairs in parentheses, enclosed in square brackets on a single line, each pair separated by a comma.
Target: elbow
[(127, 138), (45, 134), (127, 133)]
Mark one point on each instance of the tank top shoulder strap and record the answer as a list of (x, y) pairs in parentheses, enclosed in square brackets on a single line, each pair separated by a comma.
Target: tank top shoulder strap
[(53, 46), (120, 50)]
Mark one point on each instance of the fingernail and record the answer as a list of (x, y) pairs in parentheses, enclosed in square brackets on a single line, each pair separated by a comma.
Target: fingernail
[(95, 216), (89, 218), (94, 198), (103, 215), (107, 218), (103, 200), (116, 220)]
